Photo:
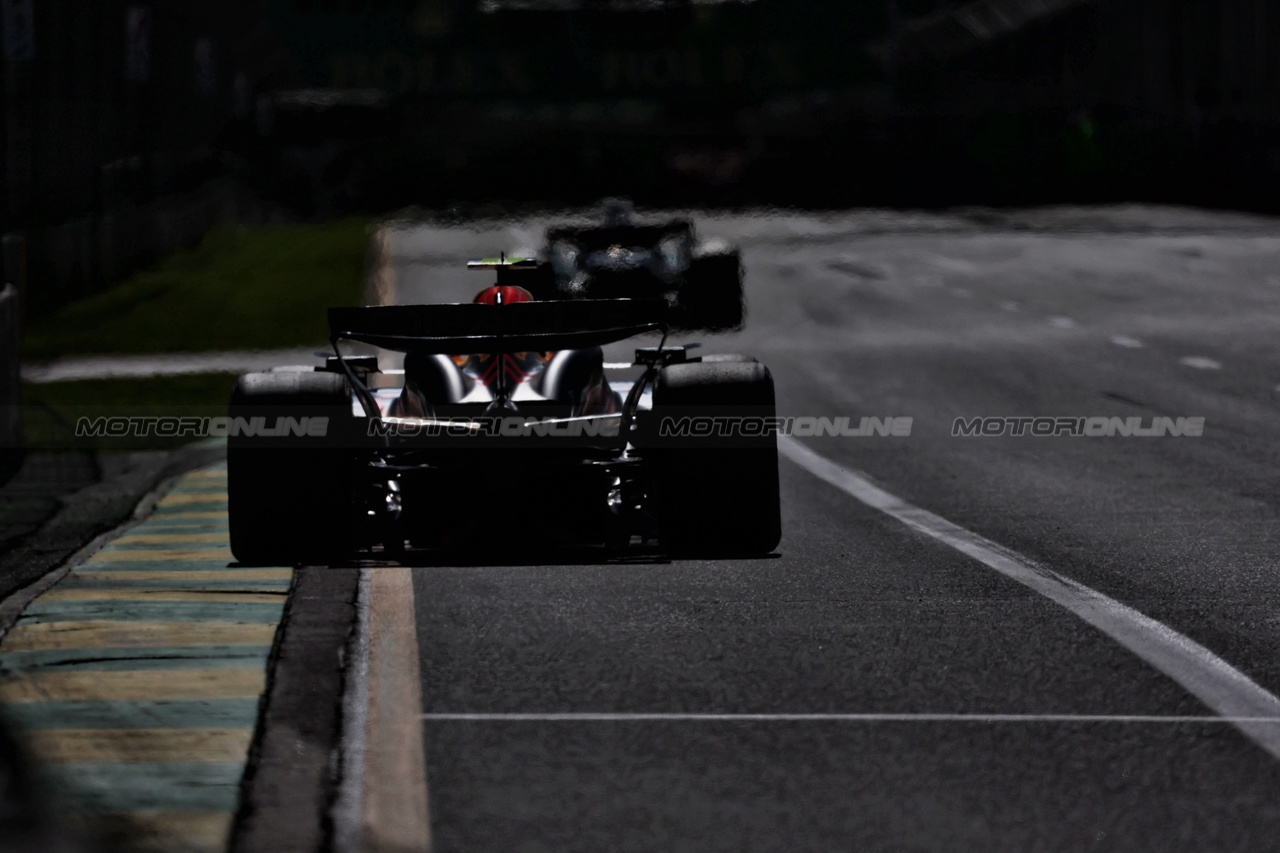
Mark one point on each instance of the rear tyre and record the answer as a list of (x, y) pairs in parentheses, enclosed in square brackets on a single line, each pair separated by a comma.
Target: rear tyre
[(289, 498), (717, 495), (723, 358), (712, 296)]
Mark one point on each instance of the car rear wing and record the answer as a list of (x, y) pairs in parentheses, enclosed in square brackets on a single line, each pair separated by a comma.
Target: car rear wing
[(502, 263), (465, 328)]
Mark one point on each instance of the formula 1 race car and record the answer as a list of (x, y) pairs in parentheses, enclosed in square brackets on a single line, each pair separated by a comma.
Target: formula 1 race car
[(701, 281), (505, 430)]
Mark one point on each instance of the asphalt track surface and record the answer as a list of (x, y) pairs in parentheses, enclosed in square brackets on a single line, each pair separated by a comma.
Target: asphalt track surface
[(680, 706)]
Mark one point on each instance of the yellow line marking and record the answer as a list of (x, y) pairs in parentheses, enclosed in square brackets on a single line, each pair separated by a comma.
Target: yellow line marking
[(137, 685), (190, 515), (123, 555), (193, 498), (206, 486), (95, 634), (395, 793), (213, 574), (144, 594), (154, 830), (111, 746), (163, 538)]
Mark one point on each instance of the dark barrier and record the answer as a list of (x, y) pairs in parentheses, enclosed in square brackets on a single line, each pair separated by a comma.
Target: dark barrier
[(10, 384)]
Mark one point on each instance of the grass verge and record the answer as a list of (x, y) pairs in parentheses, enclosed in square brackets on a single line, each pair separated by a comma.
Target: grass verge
[(50, 411), (241, 288)]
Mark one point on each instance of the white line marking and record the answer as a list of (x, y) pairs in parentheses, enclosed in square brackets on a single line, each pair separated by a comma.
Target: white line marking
[(622, 717), (172, 364), (1200, 362), (1126, 341), (1223, 688)]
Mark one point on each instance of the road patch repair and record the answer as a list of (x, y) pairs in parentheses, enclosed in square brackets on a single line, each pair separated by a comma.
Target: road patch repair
[(134, 680)]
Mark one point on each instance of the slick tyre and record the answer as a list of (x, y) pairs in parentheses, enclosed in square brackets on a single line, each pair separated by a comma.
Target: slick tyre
[(289, 497), (716, 494)]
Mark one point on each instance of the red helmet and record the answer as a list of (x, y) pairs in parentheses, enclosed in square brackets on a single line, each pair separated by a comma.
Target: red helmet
[(518, 366), (503, 294)]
